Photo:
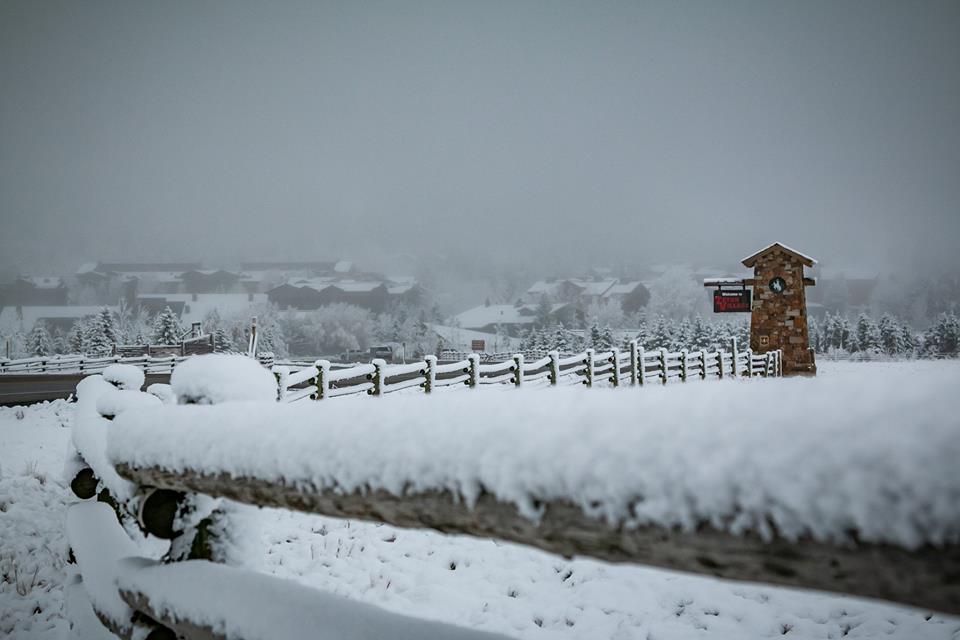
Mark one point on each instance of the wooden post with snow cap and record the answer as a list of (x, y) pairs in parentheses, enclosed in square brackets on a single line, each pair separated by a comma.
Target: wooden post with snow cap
[(683, 365), (322, 379), (663, 366), (703, 364), (377, 376), (749, 363), (720, 364), (634, 369), (641, 365), (614, 359), (554, 367), (517, 369), (281, 373), (473, 370), (733, 350), (429, 373), (767, 364), (588, 380)]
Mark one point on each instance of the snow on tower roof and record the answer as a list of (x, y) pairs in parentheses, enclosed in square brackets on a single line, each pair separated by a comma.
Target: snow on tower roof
[(750, 260)]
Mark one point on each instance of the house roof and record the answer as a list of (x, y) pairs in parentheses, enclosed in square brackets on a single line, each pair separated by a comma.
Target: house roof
[(486, 315), (42, 282), (196, 310), (460, 339), (750, 260), (25, 317), (623, 288)]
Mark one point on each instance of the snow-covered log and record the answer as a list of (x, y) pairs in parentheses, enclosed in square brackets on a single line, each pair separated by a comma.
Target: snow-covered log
[(739, 480), (206, 601)]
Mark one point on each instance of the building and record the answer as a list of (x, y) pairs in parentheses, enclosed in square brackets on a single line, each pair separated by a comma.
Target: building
[(34, 291), (588, 291), (511, 319)]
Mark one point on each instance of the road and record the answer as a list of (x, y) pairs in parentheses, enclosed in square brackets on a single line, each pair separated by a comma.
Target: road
[(18, 389)]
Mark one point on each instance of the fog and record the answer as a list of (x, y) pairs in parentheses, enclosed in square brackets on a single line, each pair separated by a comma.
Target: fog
[(516, 133)]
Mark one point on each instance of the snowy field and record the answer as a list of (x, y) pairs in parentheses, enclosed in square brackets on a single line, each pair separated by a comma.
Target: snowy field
[(483, 584)]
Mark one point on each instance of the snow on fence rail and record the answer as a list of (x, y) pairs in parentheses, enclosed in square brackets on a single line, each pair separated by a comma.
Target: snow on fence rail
[(873, 512), (636, 366)]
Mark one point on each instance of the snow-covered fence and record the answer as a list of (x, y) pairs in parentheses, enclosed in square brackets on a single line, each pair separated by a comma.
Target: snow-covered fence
[(86, 364), (873, 512), (634, 367), (138, 597)]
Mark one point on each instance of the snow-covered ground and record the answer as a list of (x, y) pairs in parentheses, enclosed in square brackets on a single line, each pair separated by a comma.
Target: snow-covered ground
[(484, 584)]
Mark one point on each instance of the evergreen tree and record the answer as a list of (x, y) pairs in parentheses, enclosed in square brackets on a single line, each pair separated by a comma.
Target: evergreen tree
[(595, 337), (39, 342), (661, 334), (100, 333), (891, 335), (908, 341), (559, 341), (699, 334), (606, 340), (867, 335), (543, 315), (166, 328)]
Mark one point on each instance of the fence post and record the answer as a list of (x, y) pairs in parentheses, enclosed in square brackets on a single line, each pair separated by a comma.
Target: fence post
[(429, 373), (766, 364), (749, 363), (518, 369), (281, 373), (641, 366), (779, 363), (703, 364), (720, 363), (554, 367), (633, 363), (663, 365), (615, 361), (589, 373), (683, 365), (736, 354), (377, 377), (473, 370), (323, 369)]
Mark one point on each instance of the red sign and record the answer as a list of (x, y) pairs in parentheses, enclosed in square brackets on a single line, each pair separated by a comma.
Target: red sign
[(478, 345), (731, 301)]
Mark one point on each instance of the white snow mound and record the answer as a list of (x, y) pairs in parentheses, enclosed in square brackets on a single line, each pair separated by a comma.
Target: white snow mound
[(124, 376), (220, 377)]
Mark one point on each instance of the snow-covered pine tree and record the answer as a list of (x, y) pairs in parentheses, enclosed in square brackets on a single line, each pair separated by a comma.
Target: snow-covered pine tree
[(100, 333), (39, 342), (867, 335), (559, 341), (166, 328), (607, 340), (543, 315), (661, 334), (698, 334), (595, 337), (908, 340), (890, 335), (683, 335)]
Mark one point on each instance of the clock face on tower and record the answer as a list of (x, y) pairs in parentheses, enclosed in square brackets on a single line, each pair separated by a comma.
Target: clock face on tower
[(778, 285)]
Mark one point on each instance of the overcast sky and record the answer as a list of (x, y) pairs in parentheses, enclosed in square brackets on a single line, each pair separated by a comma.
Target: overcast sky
[(641, 130)]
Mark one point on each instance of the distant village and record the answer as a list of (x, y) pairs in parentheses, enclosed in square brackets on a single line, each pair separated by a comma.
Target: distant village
[(338, 308)]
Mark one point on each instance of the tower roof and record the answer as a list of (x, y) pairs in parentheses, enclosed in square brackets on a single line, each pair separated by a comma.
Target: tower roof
[(750, 260)]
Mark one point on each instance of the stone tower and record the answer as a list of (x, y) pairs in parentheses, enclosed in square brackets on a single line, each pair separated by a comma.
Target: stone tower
[(779, 312)]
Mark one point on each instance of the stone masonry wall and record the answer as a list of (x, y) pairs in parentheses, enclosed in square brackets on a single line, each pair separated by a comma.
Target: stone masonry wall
[(781, 318)]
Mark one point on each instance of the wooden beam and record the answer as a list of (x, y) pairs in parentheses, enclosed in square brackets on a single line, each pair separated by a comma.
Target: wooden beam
[(927, 578)]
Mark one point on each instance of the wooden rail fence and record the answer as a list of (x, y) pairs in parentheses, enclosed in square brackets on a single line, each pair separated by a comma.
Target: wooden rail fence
[(132, 597), (634, 367)]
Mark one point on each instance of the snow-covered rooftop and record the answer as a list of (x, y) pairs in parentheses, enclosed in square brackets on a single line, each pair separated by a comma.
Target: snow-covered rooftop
[(777, 245)]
